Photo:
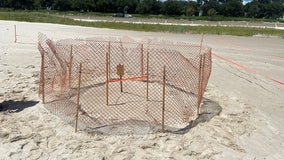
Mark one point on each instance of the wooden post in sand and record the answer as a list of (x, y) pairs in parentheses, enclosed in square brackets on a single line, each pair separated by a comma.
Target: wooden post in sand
[(164, 96), (201, 43), (200, 76), (147, 70), (107, 73), (42, 78), (78, 97), (120, 73), (142, 61), (200, 79), (70, 65), (15, 29)]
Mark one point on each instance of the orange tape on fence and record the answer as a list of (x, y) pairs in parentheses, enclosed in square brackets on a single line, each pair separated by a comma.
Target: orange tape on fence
[(247, 69), (127, 79)]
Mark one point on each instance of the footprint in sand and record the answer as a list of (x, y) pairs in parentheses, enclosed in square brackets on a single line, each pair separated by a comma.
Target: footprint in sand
[(29, 66), (17, 91), (4, 133), (35, 74)]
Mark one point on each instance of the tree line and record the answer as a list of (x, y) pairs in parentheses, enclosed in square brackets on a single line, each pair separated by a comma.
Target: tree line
[(229, 8)]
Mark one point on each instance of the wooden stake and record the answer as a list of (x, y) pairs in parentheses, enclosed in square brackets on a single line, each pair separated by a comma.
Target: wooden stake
[(107, 73), (70, 65), (201, 43), (142, 61), (43, 83), (78, 97), (121, 89), (202, 73), (147, 70), (120, 73), (199, 85), (200, 77), (164, 96), (15, 28)]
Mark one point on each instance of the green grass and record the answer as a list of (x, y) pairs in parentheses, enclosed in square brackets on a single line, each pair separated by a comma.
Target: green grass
[(210, 18), (222, 18), (61, 19)]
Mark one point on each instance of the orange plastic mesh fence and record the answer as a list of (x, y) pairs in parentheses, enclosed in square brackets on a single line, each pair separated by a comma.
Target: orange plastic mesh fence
[(121, 82)]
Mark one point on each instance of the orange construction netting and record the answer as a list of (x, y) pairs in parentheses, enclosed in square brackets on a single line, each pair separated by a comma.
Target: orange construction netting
[(109, 82)]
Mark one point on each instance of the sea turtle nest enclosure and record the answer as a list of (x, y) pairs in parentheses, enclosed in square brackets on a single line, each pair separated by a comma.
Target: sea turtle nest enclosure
[(100, 83)]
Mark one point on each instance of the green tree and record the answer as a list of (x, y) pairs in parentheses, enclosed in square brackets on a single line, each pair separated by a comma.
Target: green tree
[(105, 6), (211, 12), (212, 4), (149, 7), (190, 11), (36, 4), (62, 5), (192, 6), (18, 4), (264, 9), (254, 9), (126, 5), (173, 7), (83, 5), (232, 8), (274, 10), (46, 3)]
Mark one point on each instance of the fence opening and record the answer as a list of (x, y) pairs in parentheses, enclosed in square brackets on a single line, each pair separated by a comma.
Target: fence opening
[(122, 87)]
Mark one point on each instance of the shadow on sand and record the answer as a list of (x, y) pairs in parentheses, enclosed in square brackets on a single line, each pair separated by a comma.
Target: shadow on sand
[(16, 106), (208, 110)]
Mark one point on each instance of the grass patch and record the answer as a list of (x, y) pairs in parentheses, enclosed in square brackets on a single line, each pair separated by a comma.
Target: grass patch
[(207, 18), (61, 19), (222, 18)]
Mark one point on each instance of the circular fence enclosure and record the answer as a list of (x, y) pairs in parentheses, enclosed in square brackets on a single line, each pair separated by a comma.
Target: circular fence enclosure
[(123, 87)]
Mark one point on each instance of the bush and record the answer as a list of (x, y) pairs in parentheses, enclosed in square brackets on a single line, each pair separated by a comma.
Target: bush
[(211, 12)]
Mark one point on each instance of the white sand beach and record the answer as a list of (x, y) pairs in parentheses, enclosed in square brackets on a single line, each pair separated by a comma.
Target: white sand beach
[(243, 104)]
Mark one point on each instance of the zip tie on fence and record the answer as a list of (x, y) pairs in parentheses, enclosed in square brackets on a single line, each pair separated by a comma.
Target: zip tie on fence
[(247, 69)]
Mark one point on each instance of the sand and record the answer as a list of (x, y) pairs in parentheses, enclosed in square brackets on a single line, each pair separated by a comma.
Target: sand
[(242, 112)]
